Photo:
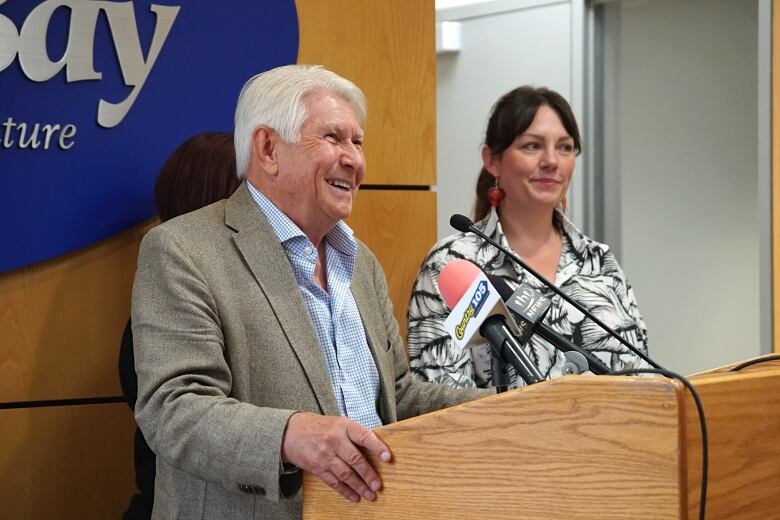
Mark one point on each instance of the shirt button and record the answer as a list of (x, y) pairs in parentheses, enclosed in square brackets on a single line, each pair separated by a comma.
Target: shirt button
[(309, 250)]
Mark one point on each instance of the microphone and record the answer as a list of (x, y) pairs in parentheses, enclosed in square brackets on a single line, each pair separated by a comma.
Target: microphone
[(479, 315), (529, 307), (464, 224)]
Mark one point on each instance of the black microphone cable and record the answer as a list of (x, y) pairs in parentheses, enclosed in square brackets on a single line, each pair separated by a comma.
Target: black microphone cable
[(751, 362), (464, 224), (702, 423)]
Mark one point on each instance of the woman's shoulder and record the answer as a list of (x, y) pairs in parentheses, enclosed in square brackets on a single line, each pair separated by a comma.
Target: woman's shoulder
[(582, 243), (594, 258), (458, 245)]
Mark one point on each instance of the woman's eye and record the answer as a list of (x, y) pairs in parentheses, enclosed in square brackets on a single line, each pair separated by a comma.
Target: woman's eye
[(531, 146), (358, 143), (566, 147)]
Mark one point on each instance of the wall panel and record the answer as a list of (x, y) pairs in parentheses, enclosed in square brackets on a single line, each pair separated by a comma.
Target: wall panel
[(388, 50), (66, 462), (776, 172), (61, 322), (399, 227)]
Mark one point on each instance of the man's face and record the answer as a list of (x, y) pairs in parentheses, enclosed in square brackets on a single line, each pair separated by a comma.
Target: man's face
[(319, 176)]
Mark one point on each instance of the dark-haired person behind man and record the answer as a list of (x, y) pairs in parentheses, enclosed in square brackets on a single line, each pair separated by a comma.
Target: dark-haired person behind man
[(200, 171), (265, 339)]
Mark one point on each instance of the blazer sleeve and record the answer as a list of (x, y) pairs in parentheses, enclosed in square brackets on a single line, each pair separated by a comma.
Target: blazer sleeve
[(184, 406), (415, 397)]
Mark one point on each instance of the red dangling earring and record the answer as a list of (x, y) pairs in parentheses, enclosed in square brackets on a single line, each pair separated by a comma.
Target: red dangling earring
[(495, 194)]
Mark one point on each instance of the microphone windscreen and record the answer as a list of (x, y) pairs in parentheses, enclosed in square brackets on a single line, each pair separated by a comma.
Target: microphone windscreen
[(455, 278), (460, 222)]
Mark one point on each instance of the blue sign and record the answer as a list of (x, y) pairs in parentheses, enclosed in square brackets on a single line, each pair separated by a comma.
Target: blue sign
[(95, 95)]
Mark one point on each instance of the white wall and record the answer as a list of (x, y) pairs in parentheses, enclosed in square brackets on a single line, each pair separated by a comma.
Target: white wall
[(687, 126), (681, 150), (505, 44)]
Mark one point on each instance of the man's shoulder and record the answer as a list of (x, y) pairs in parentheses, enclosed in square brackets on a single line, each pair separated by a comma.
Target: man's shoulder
[(191, 231), (212, 215), (195, 223), (363, 250), (365, 259)]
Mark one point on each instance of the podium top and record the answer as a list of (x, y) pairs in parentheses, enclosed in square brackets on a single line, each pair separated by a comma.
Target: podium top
[(577, 446)]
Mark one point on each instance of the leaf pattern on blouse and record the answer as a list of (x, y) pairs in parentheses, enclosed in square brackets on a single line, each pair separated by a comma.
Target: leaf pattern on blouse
[(587, 271)]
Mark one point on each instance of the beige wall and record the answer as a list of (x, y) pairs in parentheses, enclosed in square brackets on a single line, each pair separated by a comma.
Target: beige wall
[(776, 171)]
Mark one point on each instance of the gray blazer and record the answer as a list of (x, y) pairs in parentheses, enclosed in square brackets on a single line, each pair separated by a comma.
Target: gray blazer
[(226, 352)]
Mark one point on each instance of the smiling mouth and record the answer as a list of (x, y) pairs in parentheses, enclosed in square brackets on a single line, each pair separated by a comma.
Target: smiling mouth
[(341, 185)]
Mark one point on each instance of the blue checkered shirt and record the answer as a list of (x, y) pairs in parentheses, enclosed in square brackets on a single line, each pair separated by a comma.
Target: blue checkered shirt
[(335, 316)]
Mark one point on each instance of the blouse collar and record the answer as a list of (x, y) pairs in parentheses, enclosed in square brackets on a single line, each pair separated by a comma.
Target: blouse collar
[(578, 249)]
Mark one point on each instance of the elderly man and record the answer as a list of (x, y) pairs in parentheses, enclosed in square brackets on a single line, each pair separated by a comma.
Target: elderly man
[(265, 340)]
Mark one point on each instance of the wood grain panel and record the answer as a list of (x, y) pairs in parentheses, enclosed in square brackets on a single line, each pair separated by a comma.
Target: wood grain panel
[(776, 173), (575, 447), (66, 462), (388, 50), (61, 322), (399, 227), (743, 420)]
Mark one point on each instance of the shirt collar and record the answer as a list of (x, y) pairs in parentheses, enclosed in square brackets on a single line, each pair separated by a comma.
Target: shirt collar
[(577, 247), (340, 237), (491, 226)]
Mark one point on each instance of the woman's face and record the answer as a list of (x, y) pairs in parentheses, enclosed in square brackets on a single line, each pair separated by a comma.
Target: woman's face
[(536, 168)]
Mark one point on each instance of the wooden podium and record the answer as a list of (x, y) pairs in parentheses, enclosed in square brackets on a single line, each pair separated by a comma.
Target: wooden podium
[(582, 447)]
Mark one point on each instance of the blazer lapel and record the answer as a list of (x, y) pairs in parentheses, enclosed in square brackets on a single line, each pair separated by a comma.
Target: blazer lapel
[(270, 267), (361, 290)]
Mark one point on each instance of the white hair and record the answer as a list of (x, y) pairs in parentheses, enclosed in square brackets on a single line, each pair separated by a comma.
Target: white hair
[(276, 98)]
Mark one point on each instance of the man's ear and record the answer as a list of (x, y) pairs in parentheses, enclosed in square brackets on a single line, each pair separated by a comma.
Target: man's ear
[(489, 160), (264, 151)]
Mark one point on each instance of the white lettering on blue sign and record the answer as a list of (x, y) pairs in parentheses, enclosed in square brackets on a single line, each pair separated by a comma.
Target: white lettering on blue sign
[(34, 136), (29, 44)]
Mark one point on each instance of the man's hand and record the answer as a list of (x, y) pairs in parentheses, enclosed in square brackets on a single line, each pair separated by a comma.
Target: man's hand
[(329, 447)]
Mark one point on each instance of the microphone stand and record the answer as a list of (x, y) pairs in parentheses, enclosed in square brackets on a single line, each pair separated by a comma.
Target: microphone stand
[(498, 373), (464, 224), (530, 307)]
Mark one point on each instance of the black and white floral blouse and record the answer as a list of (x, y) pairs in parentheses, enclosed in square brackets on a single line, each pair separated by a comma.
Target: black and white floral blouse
[(587, 271)]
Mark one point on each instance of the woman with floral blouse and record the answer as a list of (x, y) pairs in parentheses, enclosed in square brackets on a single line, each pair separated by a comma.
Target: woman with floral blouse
[(529, 154)]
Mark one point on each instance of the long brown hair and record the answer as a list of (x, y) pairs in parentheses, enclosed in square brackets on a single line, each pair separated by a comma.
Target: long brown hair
[(512, 114), (202, 170)]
